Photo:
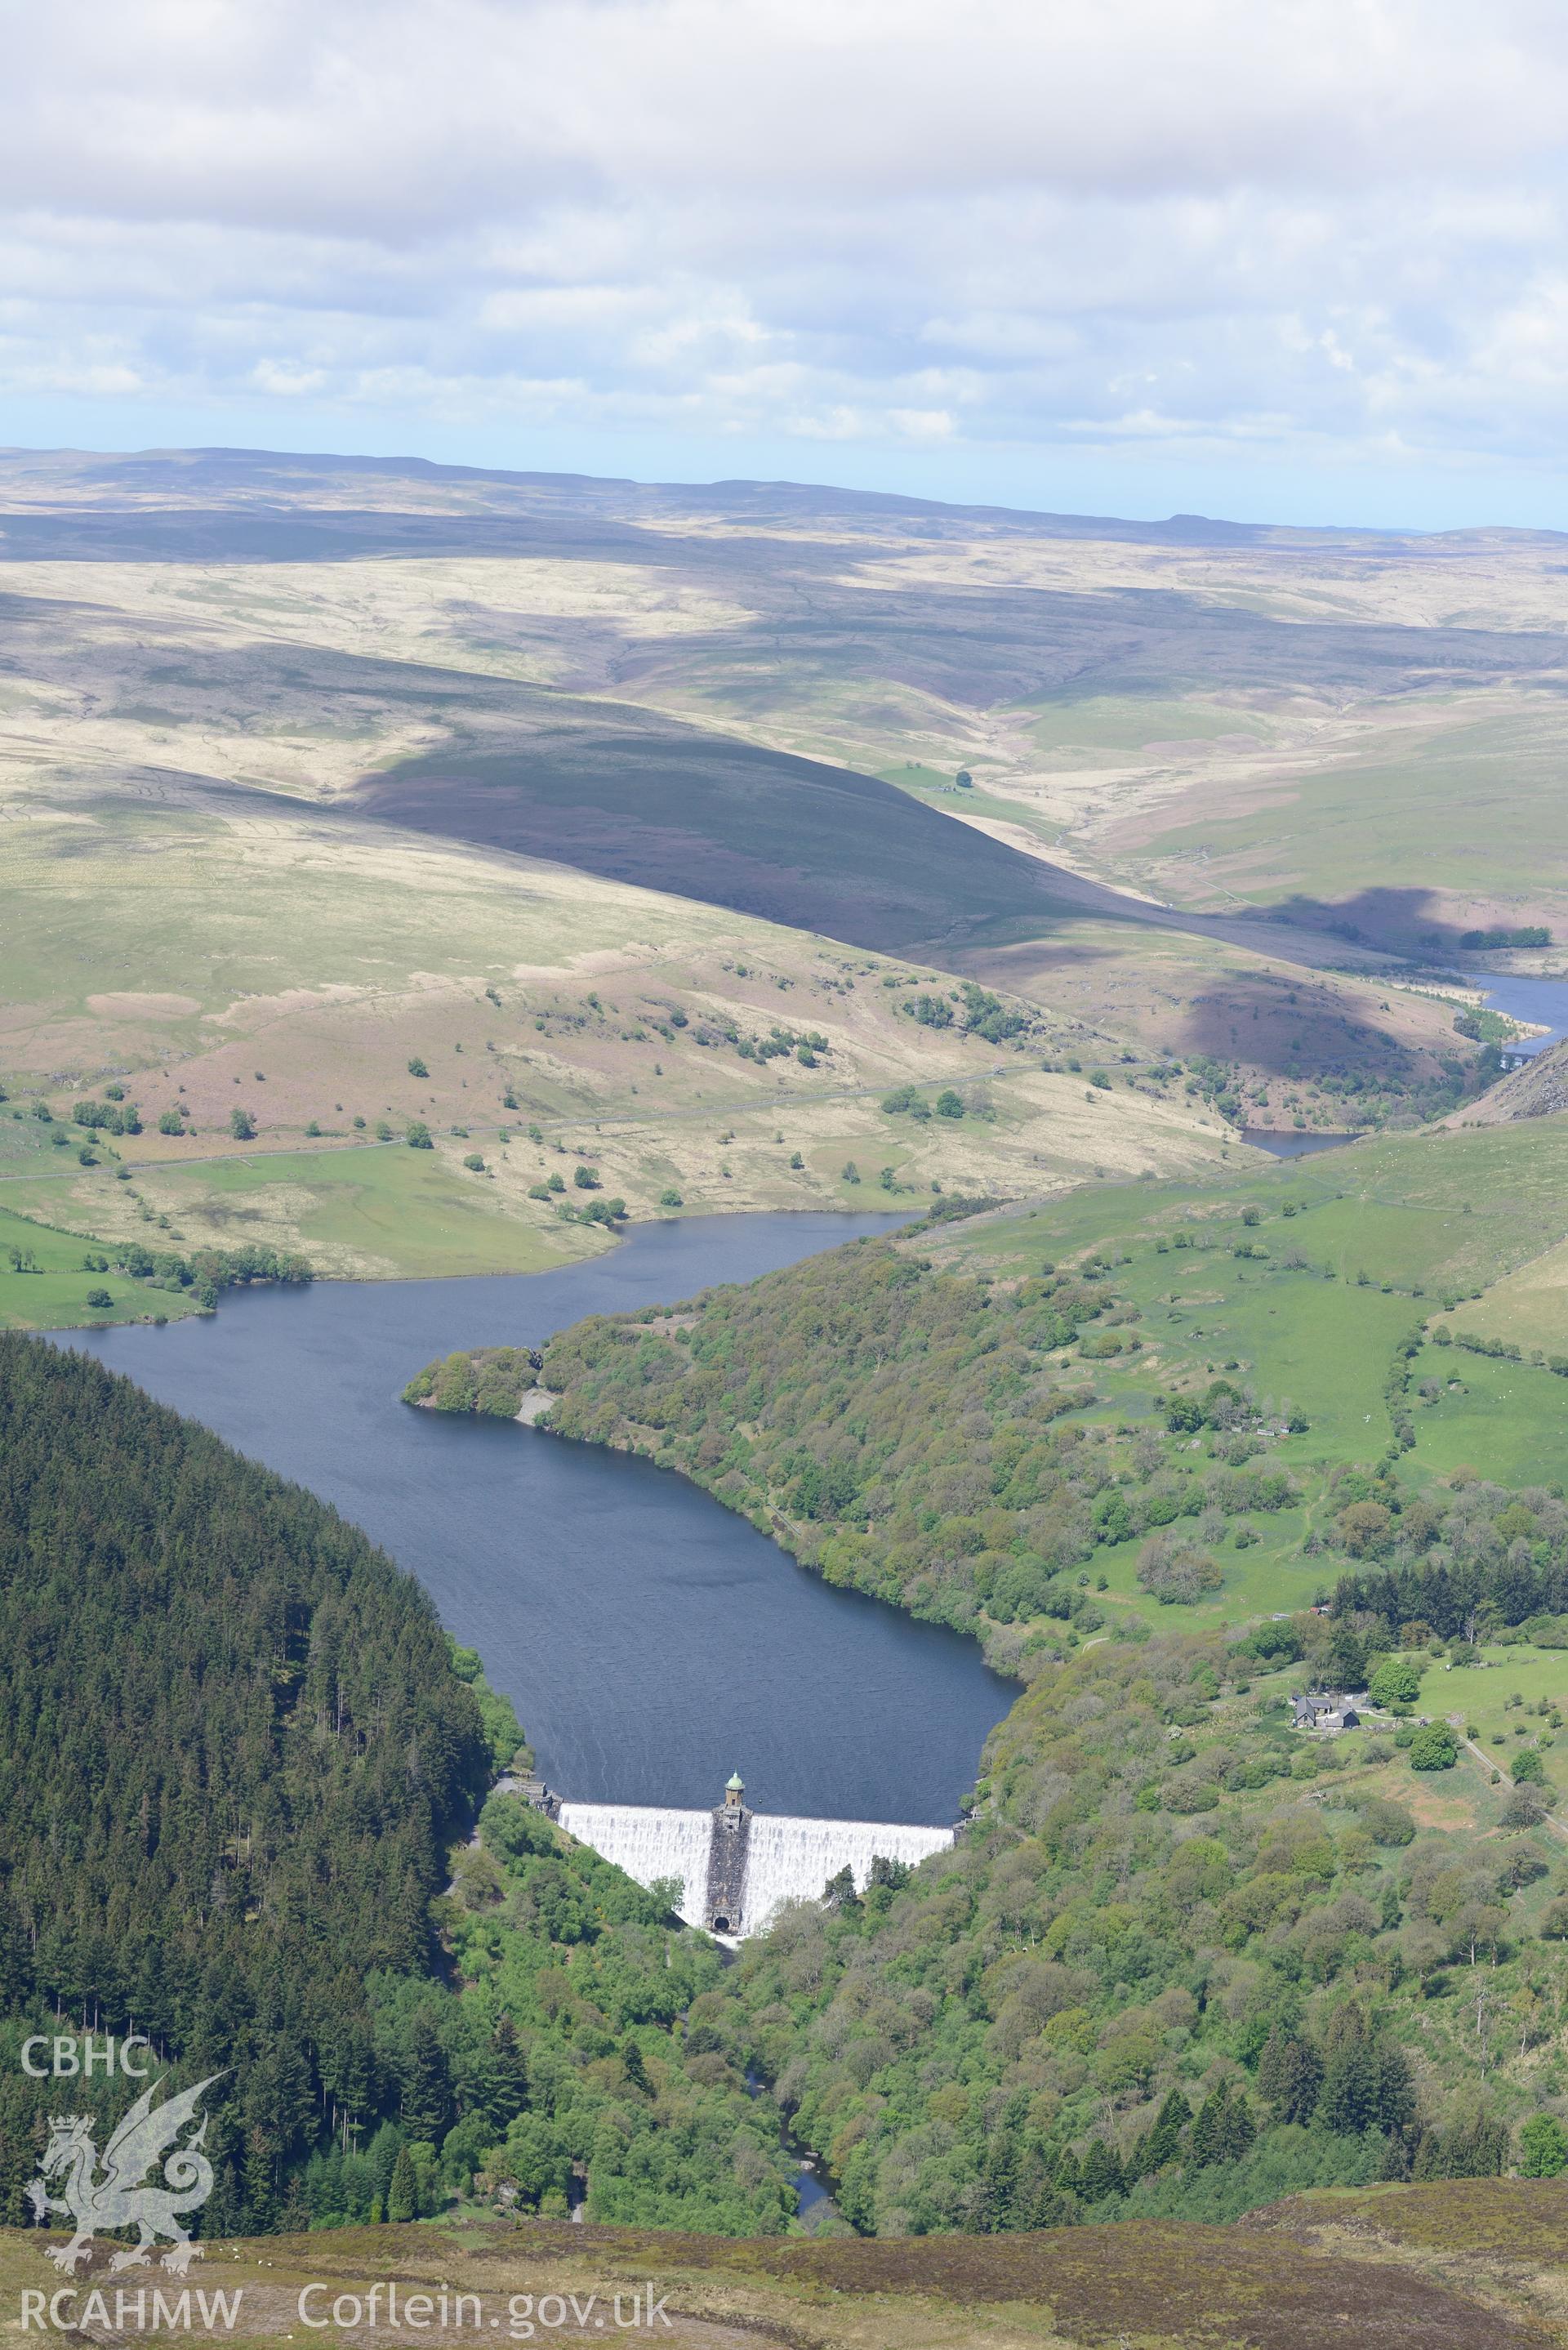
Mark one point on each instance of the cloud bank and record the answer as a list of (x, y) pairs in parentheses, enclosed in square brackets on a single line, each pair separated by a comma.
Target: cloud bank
[(1315, 232)]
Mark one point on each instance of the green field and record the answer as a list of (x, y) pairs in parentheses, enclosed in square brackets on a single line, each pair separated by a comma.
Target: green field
[(1509, 1423), (54, 1295), (1454, 1209), (410, 1214), (1377, 1238), (1486, 1695), (1109, 726)]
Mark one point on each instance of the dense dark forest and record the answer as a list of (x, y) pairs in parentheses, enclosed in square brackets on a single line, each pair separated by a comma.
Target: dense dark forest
[(233, 1752), (236, 1752)]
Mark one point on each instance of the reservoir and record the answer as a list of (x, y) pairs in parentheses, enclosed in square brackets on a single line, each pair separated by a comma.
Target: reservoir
[(1542, 1003), (651, 1640)]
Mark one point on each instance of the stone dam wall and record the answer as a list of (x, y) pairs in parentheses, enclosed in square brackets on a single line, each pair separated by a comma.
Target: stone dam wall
[(738, 1867)]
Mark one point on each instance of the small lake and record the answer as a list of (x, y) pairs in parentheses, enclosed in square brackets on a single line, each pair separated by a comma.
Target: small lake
[(1284, 1143), (1542, 1001), (651, 1640)]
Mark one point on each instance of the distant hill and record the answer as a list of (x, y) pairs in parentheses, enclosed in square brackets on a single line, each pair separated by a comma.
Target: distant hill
[(339, 764), (184, 476)]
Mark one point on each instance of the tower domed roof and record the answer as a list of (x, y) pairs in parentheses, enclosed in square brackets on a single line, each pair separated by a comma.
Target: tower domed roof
[(735, 1781)]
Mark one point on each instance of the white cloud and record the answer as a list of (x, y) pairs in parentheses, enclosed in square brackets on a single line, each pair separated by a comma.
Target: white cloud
[(289, 381), (1315, 224)]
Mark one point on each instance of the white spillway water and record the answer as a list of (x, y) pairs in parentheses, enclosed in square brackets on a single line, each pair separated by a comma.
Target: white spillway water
[(792, 1860), (787, 1859), (649, 1843)]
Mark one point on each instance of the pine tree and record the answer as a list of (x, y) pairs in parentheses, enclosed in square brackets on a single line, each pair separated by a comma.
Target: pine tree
[(1345, 1666), (1163, 2144), (1100, 2173), (15, 1958), (1352, 2075), (1240, 2129), (496, 2083), (427, 2084), (999, 2183), (261, 2184), (1290, 2075), (1274, 2069), (1037, 2202), (1395, 2089), (401, 2192), (1224, 2128)]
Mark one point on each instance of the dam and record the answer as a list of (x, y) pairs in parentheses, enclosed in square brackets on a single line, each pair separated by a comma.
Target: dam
[(736, 1867)]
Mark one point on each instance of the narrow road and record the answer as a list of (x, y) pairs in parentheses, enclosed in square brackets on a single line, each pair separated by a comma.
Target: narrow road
[(1488, 1764)]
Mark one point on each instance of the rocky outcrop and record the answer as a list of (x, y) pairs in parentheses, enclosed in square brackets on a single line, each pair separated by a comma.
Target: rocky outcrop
[(1537, 1090)]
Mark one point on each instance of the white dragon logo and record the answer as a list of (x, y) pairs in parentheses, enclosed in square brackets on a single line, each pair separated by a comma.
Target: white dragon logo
[(117, 2199)]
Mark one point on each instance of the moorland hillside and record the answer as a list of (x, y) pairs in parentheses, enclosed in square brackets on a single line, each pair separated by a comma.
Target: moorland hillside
[(323, 773)]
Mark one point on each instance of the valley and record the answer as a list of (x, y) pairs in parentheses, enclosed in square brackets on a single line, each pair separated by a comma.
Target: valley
[(955, 1067), (600, 802)]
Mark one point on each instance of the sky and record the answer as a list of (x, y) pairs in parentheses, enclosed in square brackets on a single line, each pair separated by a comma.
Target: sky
[(1289, 260)]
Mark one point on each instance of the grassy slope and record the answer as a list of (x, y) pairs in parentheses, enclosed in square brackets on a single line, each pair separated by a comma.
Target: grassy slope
[(220, 949), (1429, 1216), (1325, 832), (54, 1296), (196, 701), (385, 1210)]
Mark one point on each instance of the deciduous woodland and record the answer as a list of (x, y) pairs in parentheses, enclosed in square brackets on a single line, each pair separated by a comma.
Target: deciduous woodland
[(1185, 1958)]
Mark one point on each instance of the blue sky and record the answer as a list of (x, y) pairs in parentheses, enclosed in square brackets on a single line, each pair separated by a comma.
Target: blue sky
[(1298, 260)]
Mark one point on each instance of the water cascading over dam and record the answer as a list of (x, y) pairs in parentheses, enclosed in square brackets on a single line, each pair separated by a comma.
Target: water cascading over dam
[(649, 1844), (738, 1867)]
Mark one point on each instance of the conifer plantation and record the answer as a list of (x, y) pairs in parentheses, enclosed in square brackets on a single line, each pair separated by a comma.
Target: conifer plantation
[(235, 1751), (240, 1765)]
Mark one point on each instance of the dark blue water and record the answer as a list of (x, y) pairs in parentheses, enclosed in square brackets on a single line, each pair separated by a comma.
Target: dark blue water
[(1544, 1001), (1292, 1144), (652, 1641)]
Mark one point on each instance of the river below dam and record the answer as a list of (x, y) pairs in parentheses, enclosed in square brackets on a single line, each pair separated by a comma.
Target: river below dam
[(651, 1640)]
